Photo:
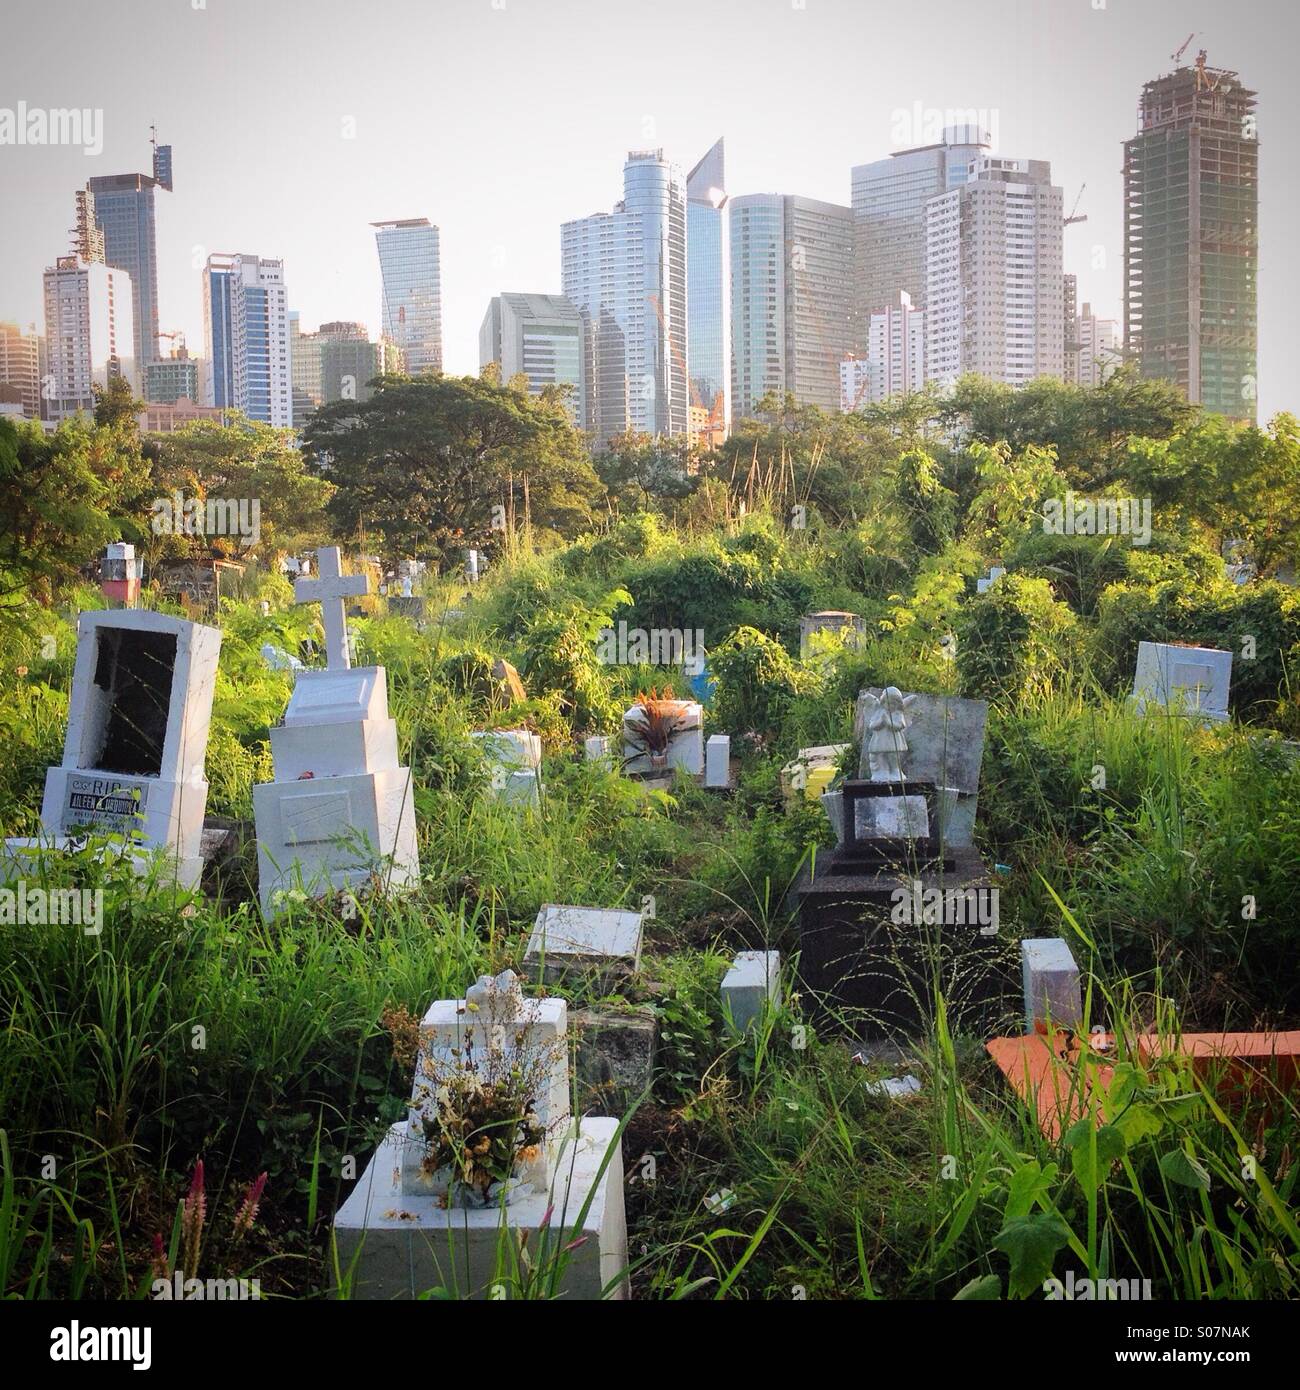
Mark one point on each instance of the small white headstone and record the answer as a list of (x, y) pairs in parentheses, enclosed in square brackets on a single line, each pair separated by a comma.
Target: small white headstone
[(717, 761), (752, 985), (1051, 983)]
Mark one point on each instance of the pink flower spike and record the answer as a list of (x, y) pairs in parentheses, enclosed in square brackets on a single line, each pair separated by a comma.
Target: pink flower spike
[(576, 1244)]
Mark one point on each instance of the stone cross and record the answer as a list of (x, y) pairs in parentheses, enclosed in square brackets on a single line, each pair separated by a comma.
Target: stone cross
[(329, 591)]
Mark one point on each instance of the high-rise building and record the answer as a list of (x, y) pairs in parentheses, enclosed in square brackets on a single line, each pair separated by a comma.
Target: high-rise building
[(895, 360), (21, 369), (246, 324), (89, 317), (626, 272), (336, 363), (304, 361), (410, 266), (791, 299), (1099, 350), (124, 213), (1070, 327), (538, 336), (171, 379), (1191, 237), (889, 197), (708, 291), (995, 287)]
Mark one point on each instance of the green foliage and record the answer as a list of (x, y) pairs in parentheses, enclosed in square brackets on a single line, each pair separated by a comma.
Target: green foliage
[(757, 682), (1014, 641)]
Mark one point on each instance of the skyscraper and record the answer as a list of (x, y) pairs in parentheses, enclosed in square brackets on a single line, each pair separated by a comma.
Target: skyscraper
[(1099, 348), (411, 269), (1191, 237), (791, 299), (88, 329), (21, 369), (995, 287), (124, 214), (246, 323), (889, 197), (538, 336), (625, 271), (708, 288), (895, 360)]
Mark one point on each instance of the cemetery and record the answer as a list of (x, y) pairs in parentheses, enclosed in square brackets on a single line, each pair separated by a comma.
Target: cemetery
[(933, 938)]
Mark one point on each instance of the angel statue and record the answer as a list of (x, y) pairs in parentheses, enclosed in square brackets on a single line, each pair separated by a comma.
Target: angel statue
[(886, 725)]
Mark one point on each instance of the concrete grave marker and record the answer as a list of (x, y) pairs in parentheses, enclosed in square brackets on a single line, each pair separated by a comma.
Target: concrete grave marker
[(1193, 681), (751, 986), (606, 941), (133, 755)]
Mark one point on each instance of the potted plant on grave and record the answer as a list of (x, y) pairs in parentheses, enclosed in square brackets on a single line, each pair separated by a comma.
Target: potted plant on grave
[(478, 1105), (650, 730)]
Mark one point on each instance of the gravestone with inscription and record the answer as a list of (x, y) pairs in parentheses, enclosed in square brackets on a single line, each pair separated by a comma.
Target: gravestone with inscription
[(340, 811), (1193, 681), (133, 757)]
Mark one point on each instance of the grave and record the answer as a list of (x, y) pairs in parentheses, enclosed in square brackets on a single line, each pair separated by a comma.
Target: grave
[(852, 625), (340, 811), (813, 770), (1051, 984), (508, 677), (133, 755), (429, 1213), (751, 987), (598, 749), (615, 1059), (1192, 681), (514, 760), (995, 572), (601, 942), (903, 898), (660, 735), (717, 761), (120, 575)]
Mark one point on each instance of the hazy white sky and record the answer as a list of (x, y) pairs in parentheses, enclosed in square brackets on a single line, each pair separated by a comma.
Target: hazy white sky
[(500, 119)]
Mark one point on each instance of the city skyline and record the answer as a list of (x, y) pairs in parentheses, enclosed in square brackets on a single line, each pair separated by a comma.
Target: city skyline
[(330, 158)]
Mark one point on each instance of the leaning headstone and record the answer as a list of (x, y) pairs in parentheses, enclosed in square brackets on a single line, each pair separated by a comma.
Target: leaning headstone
[(458, 1178), (506, 674), (1051, 983), (751, 986), (602, 942), (133, 756), (1186, 680), (852, 625), (120, 575), (340, 812), (717, 761)]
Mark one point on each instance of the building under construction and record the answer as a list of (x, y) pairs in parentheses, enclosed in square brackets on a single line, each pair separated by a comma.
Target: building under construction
[(1191, 237)]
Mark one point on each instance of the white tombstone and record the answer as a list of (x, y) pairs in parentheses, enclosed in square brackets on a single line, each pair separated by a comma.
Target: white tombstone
[(1051, 983), (717, 761), (752, 985), (565, 938), (598, 749), (514, 759), (340, 811), (685, 742), (277, 659), (408, 1227), (852, 625), (133, 756), (1189, 680), (982, 586)]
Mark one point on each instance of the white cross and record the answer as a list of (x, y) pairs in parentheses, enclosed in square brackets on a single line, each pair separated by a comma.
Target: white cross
[(329, 591)]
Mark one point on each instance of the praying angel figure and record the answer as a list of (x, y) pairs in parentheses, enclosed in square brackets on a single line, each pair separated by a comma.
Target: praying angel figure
[(886, 725)]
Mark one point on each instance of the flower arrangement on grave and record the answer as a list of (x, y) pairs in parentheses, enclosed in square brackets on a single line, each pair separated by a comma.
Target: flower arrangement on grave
[(478, 1103), (658, 718)]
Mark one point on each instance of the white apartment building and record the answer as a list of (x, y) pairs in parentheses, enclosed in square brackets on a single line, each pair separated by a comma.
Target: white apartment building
[(246, 321), (89, 331), (1099, 348), (994, 279), (895, 360)]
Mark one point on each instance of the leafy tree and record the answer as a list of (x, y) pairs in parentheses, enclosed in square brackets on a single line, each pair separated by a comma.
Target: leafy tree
[(639, 470), (425, 462), (63, 497)]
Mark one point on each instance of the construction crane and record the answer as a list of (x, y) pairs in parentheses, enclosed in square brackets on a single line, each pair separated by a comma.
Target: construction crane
[(1203, 82), (1075, 214), (1183, 49)]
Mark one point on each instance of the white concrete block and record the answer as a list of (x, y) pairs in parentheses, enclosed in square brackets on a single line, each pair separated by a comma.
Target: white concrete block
[(1192, 680), (566, 937), (1051, 983), (685, 743), (717, 761), (340, 695), (339, 750), (401, 1246), (751, 985)]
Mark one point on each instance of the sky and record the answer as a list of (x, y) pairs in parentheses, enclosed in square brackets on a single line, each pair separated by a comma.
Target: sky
[(296, 123)]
